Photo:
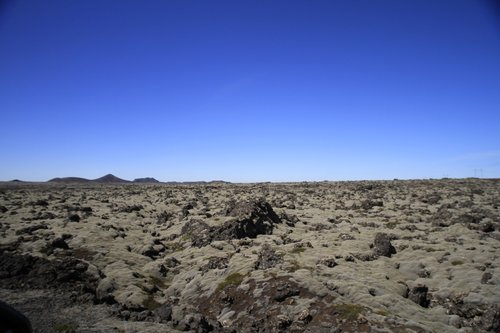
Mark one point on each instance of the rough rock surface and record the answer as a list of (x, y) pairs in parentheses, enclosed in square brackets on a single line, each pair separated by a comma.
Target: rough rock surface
[(379, 256)]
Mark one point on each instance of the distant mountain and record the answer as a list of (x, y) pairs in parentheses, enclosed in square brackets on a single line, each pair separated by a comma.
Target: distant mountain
[(70, 180), (146, 180), (112, 179), (109, 178), (218, 182)]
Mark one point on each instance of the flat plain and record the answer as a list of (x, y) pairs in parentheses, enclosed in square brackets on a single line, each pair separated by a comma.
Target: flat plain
[(364, 256)]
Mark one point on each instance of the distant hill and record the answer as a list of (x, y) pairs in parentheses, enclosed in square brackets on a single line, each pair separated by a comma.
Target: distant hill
[(109, 178), (112, 179), (146, 180), (70, 180), (218, 182)]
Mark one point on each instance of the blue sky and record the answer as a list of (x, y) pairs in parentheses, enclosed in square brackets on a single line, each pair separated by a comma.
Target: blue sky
[(249, 90)]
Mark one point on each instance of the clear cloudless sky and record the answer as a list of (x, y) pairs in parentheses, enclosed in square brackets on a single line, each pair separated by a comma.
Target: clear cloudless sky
[(249, 90)]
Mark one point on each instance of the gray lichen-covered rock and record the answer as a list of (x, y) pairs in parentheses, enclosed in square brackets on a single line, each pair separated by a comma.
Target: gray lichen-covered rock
[(268, 258)]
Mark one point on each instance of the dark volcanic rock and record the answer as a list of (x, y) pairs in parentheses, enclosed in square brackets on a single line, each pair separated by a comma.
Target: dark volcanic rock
[(10, 247), (442, 218), (28, 272), (251, 218), (328, 262), (41, 202), (431, 199), (268, 312), (418, 295), (486, 277), (382, 245), (267, 258), (490, 320), (45, 216), (150, 251), (200, 233), (164, 217), (59, 243), (163, 313), (172, 262), (284, 291), (32, 228), (481, 317), (487, 226), (237, 229), (290, 220), (185, 209), (3, 209), (215, 263), (130, 209), (195, 322), (253, 209), (74, 218), (369, 204)]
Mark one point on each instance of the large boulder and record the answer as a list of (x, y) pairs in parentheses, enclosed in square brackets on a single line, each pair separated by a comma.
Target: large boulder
[(418, 294), (382, 245), (30, 272), (252, 218), (249, 219), (200, 233)]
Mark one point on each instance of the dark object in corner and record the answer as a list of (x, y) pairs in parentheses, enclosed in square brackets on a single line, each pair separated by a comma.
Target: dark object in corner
[(12, 320)]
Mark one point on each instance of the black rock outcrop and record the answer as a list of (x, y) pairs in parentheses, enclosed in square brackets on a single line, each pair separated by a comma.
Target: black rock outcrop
[(250, 218), (30, 272), (382, 245), (418, 294)]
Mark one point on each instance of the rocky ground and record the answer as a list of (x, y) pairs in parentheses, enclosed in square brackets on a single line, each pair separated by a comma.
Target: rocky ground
[(388, 256)]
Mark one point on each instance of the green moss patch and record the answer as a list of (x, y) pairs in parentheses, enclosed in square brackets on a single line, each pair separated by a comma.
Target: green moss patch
[(233, 279), (457, 262), (298, 250), (65, 327), (348, 311), (151, 304)]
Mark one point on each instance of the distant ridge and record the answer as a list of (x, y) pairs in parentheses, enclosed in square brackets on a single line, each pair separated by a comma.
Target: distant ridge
[(218, 182), (112, 179), (70, 180), (108, 179), (146, 180)]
